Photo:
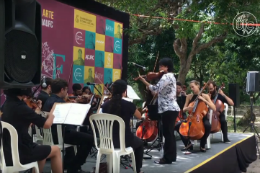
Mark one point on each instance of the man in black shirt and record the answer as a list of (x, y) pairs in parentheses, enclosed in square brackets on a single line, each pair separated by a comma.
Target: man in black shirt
[(84, 141), (181, 98), (45, 91), (212, 87)]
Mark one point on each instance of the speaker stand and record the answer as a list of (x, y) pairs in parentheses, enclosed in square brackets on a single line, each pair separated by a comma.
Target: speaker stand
[(252, 124), (234, 120)]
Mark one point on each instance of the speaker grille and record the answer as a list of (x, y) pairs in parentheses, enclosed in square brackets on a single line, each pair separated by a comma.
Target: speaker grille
[(17, 67)]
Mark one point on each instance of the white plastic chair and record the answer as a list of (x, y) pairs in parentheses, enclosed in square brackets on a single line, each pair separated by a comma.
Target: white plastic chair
[(17, 166), (104, 124)]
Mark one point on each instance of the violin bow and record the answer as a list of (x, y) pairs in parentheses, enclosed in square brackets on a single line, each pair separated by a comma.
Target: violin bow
[(104, 86), (156, 61)]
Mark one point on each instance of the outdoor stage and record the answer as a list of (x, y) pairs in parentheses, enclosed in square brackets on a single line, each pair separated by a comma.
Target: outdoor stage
[(221, 158)]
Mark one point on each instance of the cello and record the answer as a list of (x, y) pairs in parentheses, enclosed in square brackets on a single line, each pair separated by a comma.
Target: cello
[(194, 128), (215, 121), (148, 129)]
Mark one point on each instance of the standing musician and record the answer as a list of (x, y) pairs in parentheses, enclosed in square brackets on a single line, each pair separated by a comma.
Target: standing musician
[(195, 87), (212, 87), (45, 91), (84, 141), (20, 116), (124, 109), (167, 108)]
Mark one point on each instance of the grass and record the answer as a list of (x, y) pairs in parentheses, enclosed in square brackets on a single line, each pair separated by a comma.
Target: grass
[(239, 129)]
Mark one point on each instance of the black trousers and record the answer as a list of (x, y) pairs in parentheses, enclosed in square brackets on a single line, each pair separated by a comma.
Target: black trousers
[(224, 127), (84, 142), (168, 121), (203, 140), (138, 147)]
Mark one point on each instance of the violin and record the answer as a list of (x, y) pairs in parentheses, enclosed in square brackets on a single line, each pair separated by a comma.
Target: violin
[(152, 76), (215, 121), (31, 103), (194, 127)]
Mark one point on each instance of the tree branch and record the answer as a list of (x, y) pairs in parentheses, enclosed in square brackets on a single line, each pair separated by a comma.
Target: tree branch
[(210, 43), (176, 47), (197, 38), (145, 34)]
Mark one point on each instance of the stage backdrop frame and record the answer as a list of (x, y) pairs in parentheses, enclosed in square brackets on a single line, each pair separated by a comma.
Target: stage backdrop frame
[(103, 10)]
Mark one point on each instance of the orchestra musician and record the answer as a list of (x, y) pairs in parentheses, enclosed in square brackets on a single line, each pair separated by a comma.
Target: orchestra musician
[(124, 109), (45, 91), (86, 90), (167, 108), (84, 141), (181, 98), (20, 116), (195, 87), (212, 88), (77, 89)]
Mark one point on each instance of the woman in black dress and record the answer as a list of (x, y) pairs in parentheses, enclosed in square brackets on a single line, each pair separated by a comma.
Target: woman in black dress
[(20, 116), (125, 110)]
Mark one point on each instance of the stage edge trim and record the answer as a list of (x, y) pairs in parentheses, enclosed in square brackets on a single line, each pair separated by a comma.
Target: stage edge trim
[(212, 157)]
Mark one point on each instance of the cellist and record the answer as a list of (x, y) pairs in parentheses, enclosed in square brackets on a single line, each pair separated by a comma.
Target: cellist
[(212, 88), (195, 87)]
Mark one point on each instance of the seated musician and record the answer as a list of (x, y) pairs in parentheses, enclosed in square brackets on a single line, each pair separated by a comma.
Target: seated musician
[(84, 141), (195, 87), (86, 90), (181, 98), (125, 110), (77, 89), (45, 91), (212, 87), (20, 116)]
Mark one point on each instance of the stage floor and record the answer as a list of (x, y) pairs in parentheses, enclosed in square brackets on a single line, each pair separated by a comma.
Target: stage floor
[(185, 163)]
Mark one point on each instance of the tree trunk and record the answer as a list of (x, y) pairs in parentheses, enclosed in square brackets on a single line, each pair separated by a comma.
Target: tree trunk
[(184, 69)]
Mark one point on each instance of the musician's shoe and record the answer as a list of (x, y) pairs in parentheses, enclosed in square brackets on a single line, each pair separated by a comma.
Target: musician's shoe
[(189, 148), (203, 150), (227, 141), (162, 161)]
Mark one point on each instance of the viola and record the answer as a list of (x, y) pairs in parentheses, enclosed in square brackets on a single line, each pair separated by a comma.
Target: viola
[(215, 121), (194, 127)]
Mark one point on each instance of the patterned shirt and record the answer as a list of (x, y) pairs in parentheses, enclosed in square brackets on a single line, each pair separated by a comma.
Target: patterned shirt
[(166, 89)]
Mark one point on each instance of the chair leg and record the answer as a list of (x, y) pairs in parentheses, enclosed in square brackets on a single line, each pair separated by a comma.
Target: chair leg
[(98, 162), (116, 163), (36, 168), (133, 161), (222, 139), (109, 162)]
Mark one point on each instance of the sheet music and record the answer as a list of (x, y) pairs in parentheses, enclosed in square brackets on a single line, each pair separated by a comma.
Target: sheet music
[(77, 113), (60, 112), (131, 93)]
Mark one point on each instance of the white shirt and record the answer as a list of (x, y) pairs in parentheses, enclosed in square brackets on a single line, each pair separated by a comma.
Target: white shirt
[(166, 89)]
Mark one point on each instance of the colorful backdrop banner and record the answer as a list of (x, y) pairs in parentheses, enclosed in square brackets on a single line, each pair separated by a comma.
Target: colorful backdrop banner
[(91, 43)]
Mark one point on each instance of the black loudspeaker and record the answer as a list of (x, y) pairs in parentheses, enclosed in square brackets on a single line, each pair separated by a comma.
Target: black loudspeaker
[(234, 94), (252, 81), (20, 43)]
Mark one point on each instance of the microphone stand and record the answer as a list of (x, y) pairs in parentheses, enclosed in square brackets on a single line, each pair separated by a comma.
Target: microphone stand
[(98, 90)]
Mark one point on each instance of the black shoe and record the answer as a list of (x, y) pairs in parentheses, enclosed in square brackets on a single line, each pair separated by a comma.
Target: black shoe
[(227, 141), (189, 148), (162, 161), (203, 150)]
